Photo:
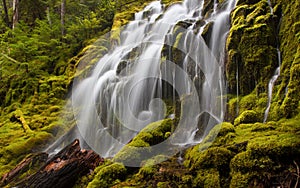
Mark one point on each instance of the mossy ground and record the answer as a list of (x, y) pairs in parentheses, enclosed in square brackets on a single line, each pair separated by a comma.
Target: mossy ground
[(255, 154), (250, 154)]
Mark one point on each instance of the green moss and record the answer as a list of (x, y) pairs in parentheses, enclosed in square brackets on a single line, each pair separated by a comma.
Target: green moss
[(108, 175), (247, 169), (214, 157), (16, 144), (27, 143), (178, 40), (232, 109), (286, 97), (252, 47), (152, 134), (240, 180), (169, 2), (248, 116), (226, 128), (282, 145), (246, 162), (163, 185), (207, 178)]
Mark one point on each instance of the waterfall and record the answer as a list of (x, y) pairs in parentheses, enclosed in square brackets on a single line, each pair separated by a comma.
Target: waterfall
[(270, 5), (271, 85), (275, 76), (125, 90), (237, 89)]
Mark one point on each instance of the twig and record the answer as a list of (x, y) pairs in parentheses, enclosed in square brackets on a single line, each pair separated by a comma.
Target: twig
[(298, 173), (9, 58)]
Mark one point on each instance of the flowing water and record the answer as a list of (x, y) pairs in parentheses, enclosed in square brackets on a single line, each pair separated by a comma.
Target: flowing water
[(125, 90), (270, 5), (274, 77), (271, 85)]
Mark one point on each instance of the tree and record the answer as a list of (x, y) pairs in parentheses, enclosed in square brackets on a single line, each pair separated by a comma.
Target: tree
[(6, 19), (15, 13), (62, 17)]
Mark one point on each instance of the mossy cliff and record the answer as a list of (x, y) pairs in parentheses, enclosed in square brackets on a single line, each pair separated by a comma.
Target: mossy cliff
[(255, 37)]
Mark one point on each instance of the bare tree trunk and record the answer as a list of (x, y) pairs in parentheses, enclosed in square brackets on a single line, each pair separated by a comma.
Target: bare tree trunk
[(62, 17), (49, 17), (6, 13), (15, 13)]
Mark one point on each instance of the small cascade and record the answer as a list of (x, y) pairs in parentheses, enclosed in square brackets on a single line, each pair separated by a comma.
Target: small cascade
[(270, 5), (271, 85), (274, 77), (215, 7), (237, 90), (125, 90)]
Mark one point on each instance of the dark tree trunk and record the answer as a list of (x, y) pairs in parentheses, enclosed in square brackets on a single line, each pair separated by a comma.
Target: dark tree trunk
[(6, 19)]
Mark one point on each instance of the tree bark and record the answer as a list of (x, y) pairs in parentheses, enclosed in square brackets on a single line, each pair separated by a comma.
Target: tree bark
[(6, 19), (15, 13), (62, 17)]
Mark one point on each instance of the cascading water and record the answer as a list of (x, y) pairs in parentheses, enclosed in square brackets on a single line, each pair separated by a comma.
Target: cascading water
[(124, 92), (271, 85), (270, 5), (274, 77)]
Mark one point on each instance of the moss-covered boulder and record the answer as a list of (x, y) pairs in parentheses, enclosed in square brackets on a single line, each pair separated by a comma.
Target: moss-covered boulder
[(249, 116), (108, 175), (139, 147)]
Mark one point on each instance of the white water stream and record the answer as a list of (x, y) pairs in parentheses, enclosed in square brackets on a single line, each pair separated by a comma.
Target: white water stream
[(123, 93)]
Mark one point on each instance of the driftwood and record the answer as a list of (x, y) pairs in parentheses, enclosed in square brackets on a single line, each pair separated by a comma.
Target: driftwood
[(61, 170)]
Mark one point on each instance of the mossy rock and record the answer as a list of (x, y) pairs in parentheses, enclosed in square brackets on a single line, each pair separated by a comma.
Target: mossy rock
[(246, 162), (169, 2), (285, 145), (214, 157), (250, 170), (240, 180), (248, 116), (251, 47), (207, 178), (28, 143), (226, 128), (139, 147), (108, 176)]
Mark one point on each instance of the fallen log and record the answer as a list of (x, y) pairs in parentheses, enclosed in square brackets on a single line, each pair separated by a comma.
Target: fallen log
[(62, 170), (30, 162)]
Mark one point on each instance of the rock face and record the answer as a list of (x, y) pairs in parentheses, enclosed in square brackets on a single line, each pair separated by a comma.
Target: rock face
[(61, 170), (261, 39), (251, 47)]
